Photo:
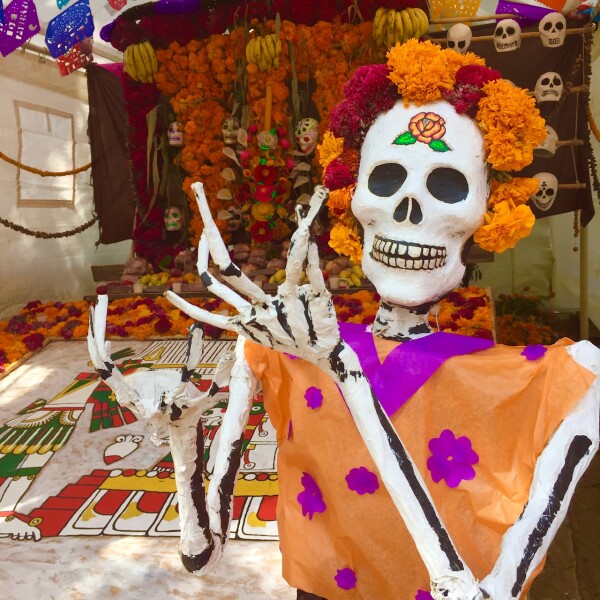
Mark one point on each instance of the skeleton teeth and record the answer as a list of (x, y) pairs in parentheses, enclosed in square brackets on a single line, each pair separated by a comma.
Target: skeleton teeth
[(402, 249), (401, 263), (418, 264), (401, 255), (414, 251), (387, 246), (426, 252)]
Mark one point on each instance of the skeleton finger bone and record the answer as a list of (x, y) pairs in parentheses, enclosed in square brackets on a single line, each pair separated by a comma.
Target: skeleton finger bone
[(199, 314), (228, 270)]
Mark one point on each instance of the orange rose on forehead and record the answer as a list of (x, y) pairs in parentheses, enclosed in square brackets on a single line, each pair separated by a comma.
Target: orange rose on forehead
[(427, 127)]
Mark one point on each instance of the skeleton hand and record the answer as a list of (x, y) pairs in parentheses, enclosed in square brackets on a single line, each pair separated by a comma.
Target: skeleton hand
[(299, 319)]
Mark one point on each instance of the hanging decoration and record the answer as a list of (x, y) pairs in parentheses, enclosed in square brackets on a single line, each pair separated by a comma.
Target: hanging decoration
[(76, 57), (21, 23), (69, 28)]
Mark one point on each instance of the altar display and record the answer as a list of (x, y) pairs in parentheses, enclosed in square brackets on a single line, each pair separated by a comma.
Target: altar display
[(446, 469)]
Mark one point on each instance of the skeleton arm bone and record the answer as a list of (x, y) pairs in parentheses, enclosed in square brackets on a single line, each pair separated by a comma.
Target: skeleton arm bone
[(557, 471)]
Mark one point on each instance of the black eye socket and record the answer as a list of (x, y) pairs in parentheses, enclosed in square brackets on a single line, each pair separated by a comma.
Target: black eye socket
[(547, 26), (447, 185), (557, 81), (499, 31), (545, 81), (511, 30), (385, 180)]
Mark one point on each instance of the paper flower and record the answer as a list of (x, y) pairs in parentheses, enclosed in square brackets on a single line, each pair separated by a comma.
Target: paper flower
[(451, 459), (346, 579), (534, 351), (362, 481), (311, 499), (313, 397)]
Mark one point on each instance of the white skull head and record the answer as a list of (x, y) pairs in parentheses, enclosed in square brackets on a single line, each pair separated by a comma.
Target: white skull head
[(549, 87), (507, 35), (459, 38), (175, 134), (230, 129), (547, 191), (553, 29), (419, 201), (173, 219), (547, 149), (307, 134)]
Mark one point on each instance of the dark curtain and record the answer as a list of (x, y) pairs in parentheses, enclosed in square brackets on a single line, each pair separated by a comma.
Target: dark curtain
[(113, 197), (567, 116)]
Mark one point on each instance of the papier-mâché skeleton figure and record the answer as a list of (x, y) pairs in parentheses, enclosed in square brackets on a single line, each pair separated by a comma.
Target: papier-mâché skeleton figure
[(409, 461)]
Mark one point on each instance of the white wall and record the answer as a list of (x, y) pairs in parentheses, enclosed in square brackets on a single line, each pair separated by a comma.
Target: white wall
[(38, 269)]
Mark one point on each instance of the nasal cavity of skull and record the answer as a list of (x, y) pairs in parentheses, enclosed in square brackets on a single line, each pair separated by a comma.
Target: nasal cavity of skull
[(447, 185), (386, 179), (408, 209)]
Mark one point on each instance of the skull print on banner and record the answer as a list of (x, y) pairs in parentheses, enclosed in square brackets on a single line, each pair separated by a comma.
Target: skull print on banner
[(419, 198), (507, 35), (549, 87), (547, 191)]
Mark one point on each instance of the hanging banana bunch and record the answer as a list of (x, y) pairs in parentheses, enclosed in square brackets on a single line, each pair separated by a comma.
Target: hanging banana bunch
[(264, 51), (139, 62), (391, 26)]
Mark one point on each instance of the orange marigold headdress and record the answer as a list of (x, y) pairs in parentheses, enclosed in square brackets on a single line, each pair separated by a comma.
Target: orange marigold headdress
[(422, 72)]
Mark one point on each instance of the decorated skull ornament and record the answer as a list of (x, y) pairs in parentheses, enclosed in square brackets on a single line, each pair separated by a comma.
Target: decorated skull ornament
[(507, 35), (173, 218), (547, 148), (421, 193), (547, 191), (459, 38), (230, 129), (549, 87), (175, 134), (553, 30), (307, 134)]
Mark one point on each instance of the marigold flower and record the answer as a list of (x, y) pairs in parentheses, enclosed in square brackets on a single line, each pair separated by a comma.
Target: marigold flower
[(262, 211), (329, 149), (518, 191), (504, 227), (345, 240)]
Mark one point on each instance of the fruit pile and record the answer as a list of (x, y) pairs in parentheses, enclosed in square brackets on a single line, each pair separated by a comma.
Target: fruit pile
[(391, 27), (263, 51), (140, 63)]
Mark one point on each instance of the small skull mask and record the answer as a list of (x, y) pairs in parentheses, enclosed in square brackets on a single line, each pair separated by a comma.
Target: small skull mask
[(230, 129), (307, 135), (173, 219), (175, 134), (549, 87), (547, 149), (547, 191), (459, 38), (419, 201), (507, 35), (553, 30)]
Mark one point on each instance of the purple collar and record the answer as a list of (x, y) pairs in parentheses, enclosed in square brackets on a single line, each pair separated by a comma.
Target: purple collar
[(409, 365)]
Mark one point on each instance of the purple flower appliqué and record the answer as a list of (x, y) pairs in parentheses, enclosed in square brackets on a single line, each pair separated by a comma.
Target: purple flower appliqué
[(451, 459), (290, 356), (311, 499), (362, 481), (313, 397), (346, 579), (423, 595), (534, 351)]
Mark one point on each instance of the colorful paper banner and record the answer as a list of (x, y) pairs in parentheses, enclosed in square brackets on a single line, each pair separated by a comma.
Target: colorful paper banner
[(21, 23), (529, 14), (69, 28)]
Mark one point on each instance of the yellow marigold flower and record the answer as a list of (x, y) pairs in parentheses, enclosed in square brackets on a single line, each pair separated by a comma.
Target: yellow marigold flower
[(518, 191), (330, 148), (339, 201), (346, 241), (512, 125), (262, 211), (504, 227), (421, 69)]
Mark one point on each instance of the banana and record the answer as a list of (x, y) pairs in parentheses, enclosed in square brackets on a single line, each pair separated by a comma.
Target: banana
[(264, 52), (145, 58), (270, 45), (414, 19), (130, 63), (152, 56), (379, 24), (249, 51), (407, 24), (140, 69), (398, 28), (356, 280), (423, 21), (391, 17)]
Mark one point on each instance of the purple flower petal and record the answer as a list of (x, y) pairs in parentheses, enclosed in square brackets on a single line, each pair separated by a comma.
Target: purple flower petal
[(311, 499), (451, 459), (313, 397), (346, 579), (290, 356), (362, 481), (423, 595), (534, 351)]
